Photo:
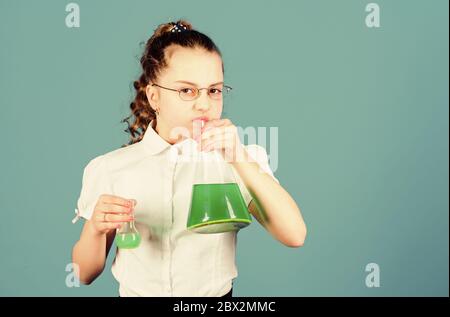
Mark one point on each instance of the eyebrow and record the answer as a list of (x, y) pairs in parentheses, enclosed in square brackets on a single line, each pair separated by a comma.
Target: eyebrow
[(193, 84)]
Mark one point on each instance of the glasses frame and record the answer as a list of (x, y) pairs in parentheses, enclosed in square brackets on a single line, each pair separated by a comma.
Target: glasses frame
[(228, 88)]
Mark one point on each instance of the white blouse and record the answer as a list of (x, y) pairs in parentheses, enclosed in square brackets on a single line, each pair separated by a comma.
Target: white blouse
[(171, 260)]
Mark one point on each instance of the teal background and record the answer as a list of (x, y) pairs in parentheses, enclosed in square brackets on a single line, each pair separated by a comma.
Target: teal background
[(363, 126)]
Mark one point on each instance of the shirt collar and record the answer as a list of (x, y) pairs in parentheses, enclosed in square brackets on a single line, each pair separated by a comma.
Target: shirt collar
[(152, 141)]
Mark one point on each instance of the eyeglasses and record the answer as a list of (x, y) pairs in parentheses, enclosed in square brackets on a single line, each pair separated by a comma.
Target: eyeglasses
[(192, 93)]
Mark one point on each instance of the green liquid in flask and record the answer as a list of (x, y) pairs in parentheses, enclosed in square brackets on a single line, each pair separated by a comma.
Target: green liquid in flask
[(217, 208), (127, 240)]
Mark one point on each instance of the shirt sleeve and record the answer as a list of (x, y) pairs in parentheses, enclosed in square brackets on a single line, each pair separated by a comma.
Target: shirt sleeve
[(95, 183), (259, 154)]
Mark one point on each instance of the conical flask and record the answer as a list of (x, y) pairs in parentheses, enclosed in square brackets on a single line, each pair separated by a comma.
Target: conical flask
[(217, 204), (127, 236)]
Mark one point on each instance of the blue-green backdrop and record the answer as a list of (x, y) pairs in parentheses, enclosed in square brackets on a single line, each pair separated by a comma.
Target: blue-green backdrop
[(363, 126)]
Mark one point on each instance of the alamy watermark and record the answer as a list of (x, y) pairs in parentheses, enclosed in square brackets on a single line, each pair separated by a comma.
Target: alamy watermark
[(260, 136), (73, 18), (72, 279), (373, 18), (373, 278)]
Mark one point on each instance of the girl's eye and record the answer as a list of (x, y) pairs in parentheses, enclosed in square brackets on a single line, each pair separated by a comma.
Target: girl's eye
[(215, 91), (186, 90)]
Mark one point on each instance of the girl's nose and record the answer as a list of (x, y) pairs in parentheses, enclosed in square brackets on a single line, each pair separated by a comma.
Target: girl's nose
[(203, 103)]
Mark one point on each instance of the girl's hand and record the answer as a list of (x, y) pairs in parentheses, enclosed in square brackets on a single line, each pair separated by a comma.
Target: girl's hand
[(110, 211), (221, 134)]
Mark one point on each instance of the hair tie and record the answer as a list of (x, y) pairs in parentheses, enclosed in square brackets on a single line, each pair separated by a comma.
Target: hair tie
[(178, 27)]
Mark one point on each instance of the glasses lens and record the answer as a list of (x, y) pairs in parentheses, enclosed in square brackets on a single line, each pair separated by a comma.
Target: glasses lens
[(188, 93), (220, 92), (215, 93), (226, 91)]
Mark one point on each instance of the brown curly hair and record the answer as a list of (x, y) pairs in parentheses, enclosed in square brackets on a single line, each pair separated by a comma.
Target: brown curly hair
[(153, 62)]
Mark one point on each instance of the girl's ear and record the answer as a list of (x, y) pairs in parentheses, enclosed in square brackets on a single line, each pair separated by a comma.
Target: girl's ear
[(152, 96)]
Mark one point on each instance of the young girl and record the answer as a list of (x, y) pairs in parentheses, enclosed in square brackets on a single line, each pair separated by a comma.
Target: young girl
[(182, 82)]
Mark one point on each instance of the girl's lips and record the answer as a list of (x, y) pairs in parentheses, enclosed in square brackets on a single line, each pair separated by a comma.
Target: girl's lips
[(201, 118)]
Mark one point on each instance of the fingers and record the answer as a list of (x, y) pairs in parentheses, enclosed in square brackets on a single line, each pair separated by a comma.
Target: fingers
[(226, 137), (218, 131), (105, 218), (115, 209), (107, 226), (116, 200), (105, 222), (215, 123), (111, 212), (102, 226)]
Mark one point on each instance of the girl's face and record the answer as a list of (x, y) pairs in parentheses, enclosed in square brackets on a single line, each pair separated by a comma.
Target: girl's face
[(200, 69)]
